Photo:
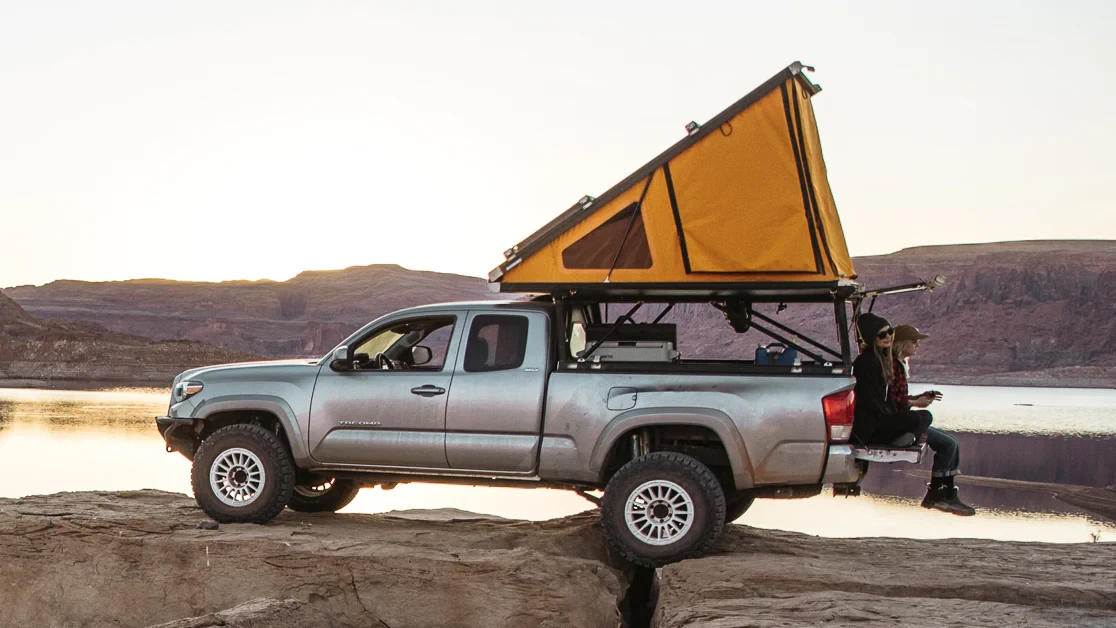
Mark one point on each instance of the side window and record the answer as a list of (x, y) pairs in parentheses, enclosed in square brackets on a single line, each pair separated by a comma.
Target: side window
[(497, 342), (396, 343)]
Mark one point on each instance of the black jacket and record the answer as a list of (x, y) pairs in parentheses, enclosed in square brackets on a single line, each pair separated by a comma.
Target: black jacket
[(872, 407)]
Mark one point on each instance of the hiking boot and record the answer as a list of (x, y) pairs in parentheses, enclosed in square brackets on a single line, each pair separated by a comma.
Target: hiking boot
[(933, 496), (948, 501)]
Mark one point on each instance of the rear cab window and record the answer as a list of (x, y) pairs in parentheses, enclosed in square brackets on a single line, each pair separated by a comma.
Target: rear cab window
[(496, 342)]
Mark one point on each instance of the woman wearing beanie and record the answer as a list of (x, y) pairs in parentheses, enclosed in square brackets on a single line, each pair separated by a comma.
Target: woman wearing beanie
[(876, 419), (941, 493)]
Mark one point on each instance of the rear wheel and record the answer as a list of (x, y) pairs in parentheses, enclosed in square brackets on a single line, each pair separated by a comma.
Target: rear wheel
[(242, 474), (328, 496), (661, 508)]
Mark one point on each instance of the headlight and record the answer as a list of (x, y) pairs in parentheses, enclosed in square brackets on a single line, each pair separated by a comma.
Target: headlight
[(185, 390)]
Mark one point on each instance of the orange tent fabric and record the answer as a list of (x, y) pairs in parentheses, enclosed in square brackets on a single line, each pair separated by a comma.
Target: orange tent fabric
[(743, 199)]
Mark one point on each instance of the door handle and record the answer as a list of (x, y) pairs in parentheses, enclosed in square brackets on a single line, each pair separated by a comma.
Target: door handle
[(428, 391)]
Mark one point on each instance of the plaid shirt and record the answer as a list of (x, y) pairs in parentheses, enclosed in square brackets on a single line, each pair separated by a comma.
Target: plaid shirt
[(897, 391)]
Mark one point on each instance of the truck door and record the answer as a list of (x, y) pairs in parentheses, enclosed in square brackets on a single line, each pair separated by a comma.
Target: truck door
[(388, 410), (495, 413)]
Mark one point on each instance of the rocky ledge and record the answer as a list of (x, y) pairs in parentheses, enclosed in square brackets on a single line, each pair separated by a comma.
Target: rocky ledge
[(140, 559)]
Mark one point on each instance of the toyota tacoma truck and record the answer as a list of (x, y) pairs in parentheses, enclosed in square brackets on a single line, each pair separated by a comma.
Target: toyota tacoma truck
[(736, 220), (549, 392)]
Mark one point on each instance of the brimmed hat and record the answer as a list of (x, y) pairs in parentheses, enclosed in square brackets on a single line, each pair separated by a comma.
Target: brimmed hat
[(908, 332), (869, 325)]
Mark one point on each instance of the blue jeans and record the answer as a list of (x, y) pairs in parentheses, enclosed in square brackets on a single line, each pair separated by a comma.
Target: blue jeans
[(947, 453)]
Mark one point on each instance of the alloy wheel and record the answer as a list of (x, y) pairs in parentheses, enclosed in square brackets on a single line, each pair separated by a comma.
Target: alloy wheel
[(659, 512), (237, 477)]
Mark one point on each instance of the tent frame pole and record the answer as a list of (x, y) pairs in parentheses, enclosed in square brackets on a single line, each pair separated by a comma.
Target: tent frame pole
[(789, 343), (658, 318), (631, 221), (788, 330), (840, 315)]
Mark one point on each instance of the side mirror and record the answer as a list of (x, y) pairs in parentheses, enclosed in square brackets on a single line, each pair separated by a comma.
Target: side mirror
[(421, 355), (340, 360)]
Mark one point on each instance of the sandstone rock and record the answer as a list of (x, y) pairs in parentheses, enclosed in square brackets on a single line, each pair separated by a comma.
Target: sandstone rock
[(118, 559), (768, 578), (125, 559), (266, 613)]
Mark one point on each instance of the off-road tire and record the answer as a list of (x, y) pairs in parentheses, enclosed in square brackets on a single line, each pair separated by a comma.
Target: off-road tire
[(279, 474), (698, 484), (332, 499), (736, 505)]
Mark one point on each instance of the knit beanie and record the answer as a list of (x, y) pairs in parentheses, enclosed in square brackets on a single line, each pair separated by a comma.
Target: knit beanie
[(869, 324)]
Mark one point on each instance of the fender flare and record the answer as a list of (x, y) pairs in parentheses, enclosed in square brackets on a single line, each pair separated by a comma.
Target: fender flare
[(265, 403), (715, 420)]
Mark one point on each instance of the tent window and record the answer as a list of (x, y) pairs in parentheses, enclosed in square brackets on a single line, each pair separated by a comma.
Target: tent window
[(597, 249)]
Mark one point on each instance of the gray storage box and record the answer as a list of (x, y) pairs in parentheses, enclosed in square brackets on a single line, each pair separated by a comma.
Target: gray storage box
[(636, 351)]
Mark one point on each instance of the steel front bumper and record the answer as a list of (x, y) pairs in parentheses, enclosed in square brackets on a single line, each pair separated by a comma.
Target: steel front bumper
[(178, 433)]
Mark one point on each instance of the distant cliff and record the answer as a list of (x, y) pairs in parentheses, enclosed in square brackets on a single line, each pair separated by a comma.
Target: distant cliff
[(1010, 311), (304, 316), (37, 352), (1041, 312)]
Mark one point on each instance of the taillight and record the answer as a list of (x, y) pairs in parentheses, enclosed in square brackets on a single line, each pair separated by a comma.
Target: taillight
[(838, 409)]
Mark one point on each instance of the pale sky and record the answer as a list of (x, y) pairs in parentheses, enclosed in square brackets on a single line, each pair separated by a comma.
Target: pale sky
[(245, 140)]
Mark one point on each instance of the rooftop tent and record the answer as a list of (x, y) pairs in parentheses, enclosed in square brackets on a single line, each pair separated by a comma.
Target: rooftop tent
[(743, 199)]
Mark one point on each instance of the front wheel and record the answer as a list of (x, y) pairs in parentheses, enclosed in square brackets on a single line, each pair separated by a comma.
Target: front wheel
[(329, 496), (242, 474), (662, 508)]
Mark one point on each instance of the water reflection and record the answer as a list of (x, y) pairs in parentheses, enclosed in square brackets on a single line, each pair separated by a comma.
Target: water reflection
[(877, 515), (898, 481), (1028, 411), (126, 409), (53, 441), (1049, 459)]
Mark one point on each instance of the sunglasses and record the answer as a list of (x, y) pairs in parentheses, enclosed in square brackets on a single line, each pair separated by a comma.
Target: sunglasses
[(885, 333)]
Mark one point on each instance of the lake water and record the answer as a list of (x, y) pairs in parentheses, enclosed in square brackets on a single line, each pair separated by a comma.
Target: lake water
[(62, 440)]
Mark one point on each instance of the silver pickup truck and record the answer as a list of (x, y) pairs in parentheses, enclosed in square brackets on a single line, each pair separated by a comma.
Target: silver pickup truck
[(529, 393)]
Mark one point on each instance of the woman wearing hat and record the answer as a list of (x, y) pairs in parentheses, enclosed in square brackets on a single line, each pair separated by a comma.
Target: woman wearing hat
[(877, 418), (941, 493)]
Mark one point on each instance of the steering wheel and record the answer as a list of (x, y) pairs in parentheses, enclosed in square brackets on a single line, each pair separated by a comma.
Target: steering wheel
[(383, 362)]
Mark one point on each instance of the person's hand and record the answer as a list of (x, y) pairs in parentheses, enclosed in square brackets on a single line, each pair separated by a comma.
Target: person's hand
[(921, 401), (933, 395)]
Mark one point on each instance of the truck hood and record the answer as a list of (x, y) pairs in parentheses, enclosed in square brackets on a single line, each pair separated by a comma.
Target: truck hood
[(240, 369)]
